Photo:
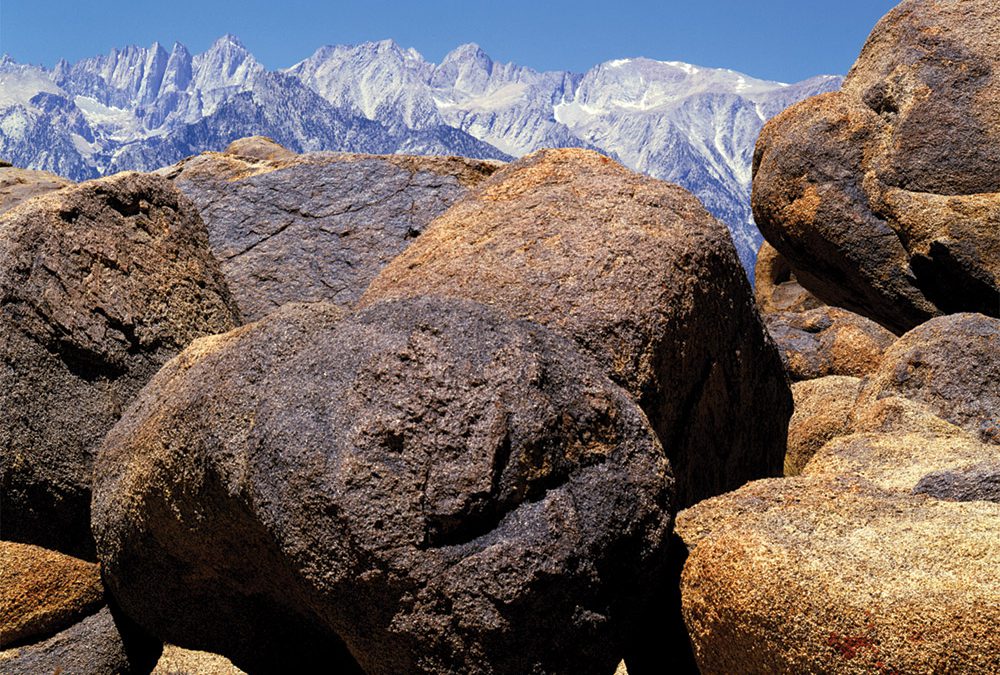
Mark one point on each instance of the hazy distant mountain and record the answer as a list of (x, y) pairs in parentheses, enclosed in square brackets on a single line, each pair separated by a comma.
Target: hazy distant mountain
[(143, 108)]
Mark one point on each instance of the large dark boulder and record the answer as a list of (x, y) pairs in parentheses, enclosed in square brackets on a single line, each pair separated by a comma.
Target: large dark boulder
[(319, 226), (638, 274), (883, 196), (443, 488), (100, 285)]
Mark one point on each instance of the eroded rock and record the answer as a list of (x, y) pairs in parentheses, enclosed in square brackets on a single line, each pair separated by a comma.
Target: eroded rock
[(638, 274), (823, 411), (100, 284), (319, 226), (495, 503), (883, 197)]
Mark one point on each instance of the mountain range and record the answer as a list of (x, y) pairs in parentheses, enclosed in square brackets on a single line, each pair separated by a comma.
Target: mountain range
[(144, 108)]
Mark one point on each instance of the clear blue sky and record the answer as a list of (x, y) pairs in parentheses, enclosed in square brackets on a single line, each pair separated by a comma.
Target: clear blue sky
[(777, 39)]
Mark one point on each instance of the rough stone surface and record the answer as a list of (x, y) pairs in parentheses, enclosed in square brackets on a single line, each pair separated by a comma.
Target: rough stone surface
[(978, 482), (444, 488), (897, 414), (828, 341), (897, 461), (42, 592), (100, 284), (952, 365), (178, 661), (18, 185), (320, 226), (104, 643), (642, 278), (775, 285), (885, 197), (801, 575), (823, 410)]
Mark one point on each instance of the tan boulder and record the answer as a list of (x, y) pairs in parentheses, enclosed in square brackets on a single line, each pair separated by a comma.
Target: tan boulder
[(897, 461), (18, 185), (823, 410), (178, 661), (638, 274), (814, 575), (42, 592), (883, 197)]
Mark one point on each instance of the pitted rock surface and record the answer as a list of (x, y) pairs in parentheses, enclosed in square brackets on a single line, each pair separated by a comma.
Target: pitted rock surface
[(883, 197), (444, 488), (638, 274), (828, 341), (833, 575), (315, 227), (950, 364), (100, 284)]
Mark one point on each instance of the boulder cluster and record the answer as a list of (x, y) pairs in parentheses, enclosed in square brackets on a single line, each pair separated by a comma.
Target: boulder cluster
[(272, 413)]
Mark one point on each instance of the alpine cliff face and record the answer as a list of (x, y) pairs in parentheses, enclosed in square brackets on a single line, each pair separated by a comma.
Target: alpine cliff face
[(141, 109)]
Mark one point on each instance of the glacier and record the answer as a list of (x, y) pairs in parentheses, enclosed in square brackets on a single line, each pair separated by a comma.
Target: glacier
[(143, 108)]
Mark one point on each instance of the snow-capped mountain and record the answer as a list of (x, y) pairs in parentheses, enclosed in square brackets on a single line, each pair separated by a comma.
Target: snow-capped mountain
[(142, 108)]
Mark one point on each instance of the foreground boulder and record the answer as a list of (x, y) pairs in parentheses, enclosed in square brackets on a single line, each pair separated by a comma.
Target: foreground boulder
[(883, 197), (803, 575), (950, 364), (320, 226), (42, 592), (828, 341), (638, 274), (18, 185), (443, 488), (101, 284)]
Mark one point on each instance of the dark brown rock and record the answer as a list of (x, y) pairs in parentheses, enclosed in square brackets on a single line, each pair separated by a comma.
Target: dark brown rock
[(951, 364), (809, 575), (297, 228), (105, 643), (42, 592), (883, 196), (642, 278), (978, 482), (100, 284), (828, 341), (445, 489), (823, 410), (775, 285), (18, 185)]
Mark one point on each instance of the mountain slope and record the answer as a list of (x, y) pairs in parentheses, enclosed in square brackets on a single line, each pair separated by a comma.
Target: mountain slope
[(139, 108)]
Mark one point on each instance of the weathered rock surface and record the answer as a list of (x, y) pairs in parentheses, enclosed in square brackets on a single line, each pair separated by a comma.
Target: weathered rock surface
[(897, 414), (444, 488), (801, 575), (977, 482), (42, 592), (952, 365), (178, 661), (291, 228), (897, 461), (823, 409), (885, 197), (828, 341), (775, 285), (105, 643), (18, 185), (643, 279), (100, 284)]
